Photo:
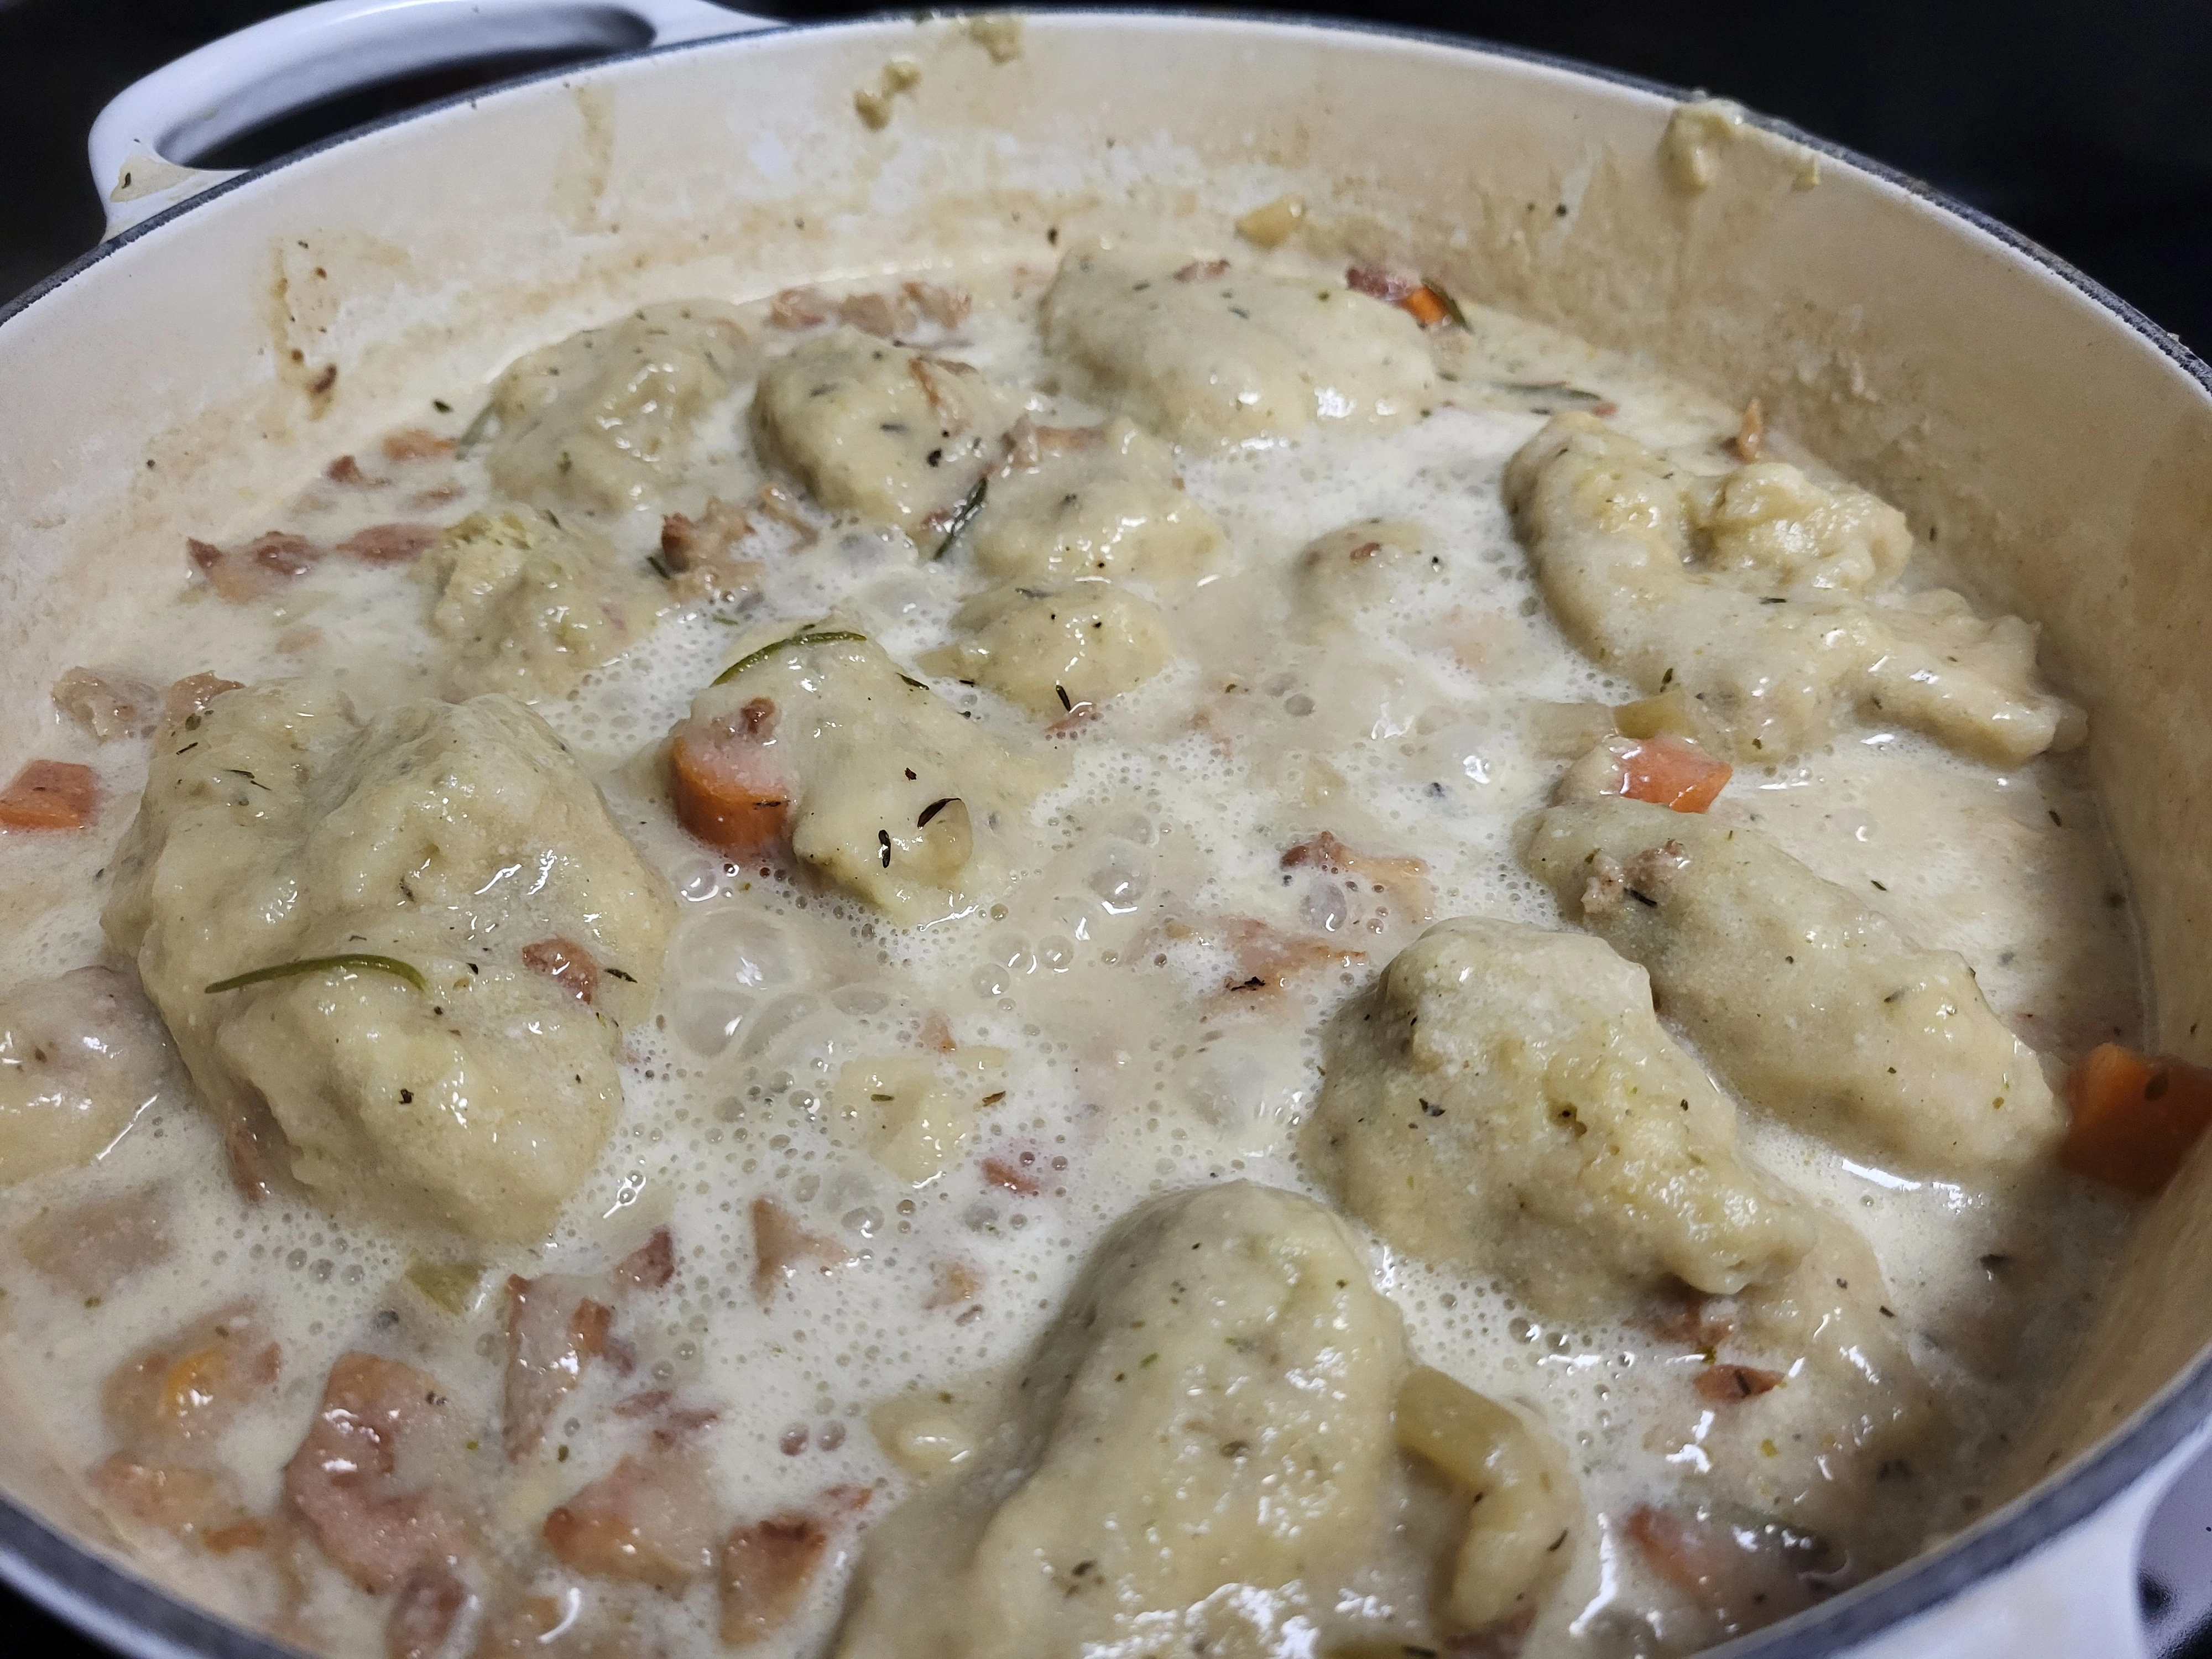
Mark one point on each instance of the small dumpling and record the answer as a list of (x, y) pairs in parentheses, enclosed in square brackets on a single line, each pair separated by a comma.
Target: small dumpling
[(1754, 592), (1810, 1006), (1360, 565), (1203, 1456), (483, 931), (894, 434), (1057, 647), (605, 418), (1211, 356), (530, 605), (80, 1056), (1504, 1099), (816, 742), (1091, 501)]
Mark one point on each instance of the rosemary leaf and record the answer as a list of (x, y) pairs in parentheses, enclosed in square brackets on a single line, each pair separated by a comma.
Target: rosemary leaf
[(360, 962), (962, 516), (813, 636), (476, 429), (1547, 397)]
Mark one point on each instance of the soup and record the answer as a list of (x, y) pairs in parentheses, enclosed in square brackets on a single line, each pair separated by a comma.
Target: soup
[(1174, 949)]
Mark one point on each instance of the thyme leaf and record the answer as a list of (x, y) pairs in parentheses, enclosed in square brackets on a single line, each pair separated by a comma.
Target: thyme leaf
[(811, 636), (355, 962), (962, 516)]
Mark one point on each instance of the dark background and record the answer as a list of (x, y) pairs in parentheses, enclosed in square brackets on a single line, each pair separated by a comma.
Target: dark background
[(2087, 126)]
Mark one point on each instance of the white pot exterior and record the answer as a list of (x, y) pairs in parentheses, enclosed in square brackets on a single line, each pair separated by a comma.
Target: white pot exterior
[(2008, 406)]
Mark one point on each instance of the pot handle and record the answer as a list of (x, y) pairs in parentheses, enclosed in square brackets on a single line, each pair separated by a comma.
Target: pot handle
[(299, 57)]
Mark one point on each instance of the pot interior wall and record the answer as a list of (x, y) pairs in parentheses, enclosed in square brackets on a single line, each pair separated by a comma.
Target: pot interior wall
[(2062, 457)]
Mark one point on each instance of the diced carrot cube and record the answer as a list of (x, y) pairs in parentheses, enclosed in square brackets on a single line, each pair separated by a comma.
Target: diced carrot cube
[(1672, 771), (2136, 1116), (49, 795), (728, 790), (1427, 308)]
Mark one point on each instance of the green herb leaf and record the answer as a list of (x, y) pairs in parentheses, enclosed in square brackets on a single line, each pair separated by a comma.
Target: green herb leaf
[(652, 562), (359, 963), (813, 636), (476, 429), (1549, 397), (962, 516)]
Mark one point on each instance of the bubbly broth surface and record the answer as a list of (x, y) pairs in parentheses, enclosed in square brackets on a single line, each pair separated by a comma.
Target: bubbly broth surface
[(1138, 1006)]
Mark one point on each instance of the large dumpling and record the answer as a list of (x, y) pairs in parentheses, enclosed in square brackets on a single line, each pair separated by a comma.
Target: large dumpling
[(1504, 1099), (894, 434), (1811, 1005), (816, 742), (605, 416), (1752, 594), (1203, 1456), (1206, 354), (1091, 501), (486, 930), (528, 605)]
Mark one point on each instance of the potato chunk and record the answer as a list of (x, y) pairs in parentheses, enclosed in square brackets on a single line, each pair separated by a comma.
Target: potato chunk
[(1806, 1003), (529, 606), (1057, 647), (1210, 356), (1202, 1446), (884, 787), (1755, 591), (278, 827), (80, 1056), (1091, 501), (604, 417), (881, 430), (1504, 1098)]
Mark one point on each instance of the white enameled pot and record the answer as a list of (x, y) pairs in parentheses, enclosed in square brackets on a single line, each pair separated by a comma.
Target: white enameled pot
[(235, 328)]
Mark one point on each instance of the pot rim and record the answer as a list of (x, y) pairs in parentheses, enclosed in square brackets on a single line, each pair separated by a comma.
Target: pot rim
[(135, 1616)]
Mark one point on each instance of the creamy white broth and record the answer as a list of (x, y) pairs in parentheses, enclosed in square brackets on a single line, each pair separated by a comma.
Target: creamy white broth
[(1128, 1070)]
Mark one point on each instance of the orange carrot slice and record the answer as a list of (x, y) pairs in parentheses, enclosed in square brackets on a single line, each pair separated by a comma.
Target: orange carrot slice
[(729, 791), (1425, 305), (2136, 1116), (1671, 771), (1428, 304), (49, 795)]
